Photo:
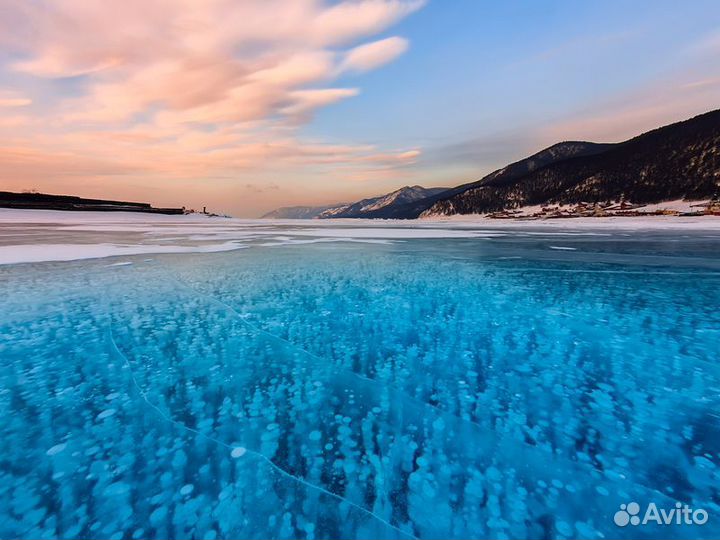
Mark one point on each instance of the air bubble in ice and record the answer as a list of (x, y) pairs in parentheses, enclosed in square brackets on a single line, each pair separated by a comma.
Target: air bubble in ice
[(56, 449), (238, 451)]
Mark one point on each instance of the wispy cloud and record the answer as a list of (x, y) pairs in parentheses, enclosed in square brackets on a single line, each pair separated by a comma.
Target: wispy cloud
[(13, 99), (373, 55), (185, 88)]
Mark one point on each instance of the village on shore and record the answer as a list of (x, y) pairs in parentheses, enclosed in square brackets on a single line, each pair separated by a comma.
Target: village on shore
[(610, 209)]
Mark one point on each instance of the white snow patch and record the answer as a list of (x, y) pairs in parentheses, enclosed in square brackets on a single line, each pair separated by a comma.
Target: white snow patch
[(10, 215), (582, 224), (291, 242), (392, 232), (29, 253), (678, 205)]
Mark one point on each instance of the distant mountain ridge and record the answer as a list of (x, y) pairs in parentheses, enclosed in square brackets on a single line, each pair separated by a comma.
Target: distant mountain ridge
[(384, 205), (373, 207), (678, 161), (507, 174), (300, 212)]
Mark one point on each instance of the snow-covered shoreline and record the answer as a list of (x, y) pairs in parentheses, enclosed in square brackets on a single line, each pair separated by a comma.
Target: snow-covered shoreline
[(659, 223), (48, 235)]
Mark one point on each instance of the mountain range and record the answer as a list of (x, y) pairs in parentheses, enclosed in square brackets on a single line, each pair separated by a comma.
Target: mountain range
[(366, 208), (300, 212), (678, 161)]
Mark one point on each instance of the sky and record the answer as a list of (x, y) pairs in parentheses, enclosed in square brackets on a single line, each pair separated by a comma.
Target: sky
[(243, 106)]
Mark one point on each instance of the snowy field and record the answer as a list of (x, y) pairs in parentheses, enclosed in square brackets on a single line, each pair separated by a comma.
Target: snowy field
[(185, 377)]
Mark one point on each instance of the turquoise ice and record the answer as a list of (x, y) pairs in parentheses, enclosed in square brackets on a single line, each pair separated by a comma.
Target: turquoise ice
[(441, 388)]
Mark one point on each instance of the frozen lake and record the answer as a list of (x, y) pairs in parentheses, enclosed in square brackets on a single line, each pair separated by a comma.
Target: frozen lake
[(163, 377)]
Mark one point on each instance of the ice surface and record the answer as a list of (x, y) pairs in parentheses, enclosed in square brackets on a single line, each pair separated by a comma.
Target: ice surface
[(428, 388), (46, 235)]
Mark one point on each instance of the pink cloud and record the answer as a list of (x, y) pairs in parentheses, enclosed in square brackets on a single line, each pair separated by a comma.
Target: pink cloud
[(305, 101), (13, 99), (183, 89), (350, 20), (373, 55)]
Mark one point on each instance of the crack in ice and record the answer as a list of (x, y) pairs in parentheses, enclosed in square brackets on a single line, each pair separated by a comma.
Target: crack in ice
[(369, 380), (233, 448), (417, 402)]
